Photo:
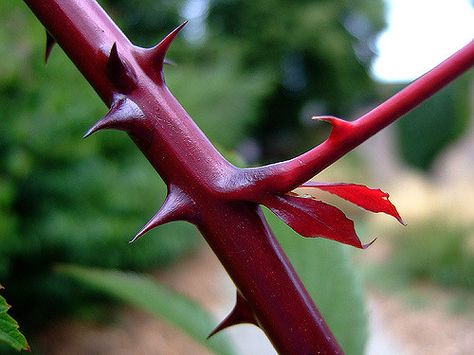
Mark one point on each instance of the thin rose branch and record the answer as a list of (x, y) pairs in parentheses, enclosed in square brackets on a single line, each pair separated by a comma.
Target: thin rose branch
[(346, 135)]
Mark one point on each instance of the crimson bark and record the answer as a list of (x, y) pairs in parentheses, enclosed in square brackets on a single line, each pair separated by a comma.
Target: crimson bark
[(205, 189)]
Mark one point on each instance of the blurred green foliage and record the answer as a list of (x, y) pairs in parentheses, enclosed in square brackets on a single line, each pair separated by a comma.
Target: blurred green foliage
[(318, 52), (429, 129), (9, 332), (433, 252), (145, 293), (258, 69)]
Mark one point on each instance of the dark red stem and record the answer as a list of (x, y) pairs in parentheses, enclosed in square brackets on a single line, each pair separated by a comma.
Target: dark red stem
[(196, 173), (203, 188)]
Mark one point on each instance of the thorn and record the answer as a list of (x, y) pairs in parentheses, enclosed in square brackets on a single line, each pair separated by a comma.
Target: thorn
[(122, 115), (169, 62), (366, 246), (50, 42), (328, 119), (339, 126), (177, 206), (241, 313), (120, 72), (159, 51)]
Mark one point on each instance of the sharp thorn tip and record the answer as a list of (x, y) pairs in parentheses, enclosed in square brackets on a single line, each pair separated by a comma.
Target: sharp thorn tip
[(148, 227), (88, 133), (169, 62), (120, 73), (50, 42), (134, 239), (324, 118), (366, 246), (241, 313), (160, 50)]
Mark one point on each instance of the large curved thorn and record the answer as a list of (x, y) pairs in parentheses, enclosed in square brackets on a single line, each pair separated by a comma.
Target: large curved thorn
[(158, 52), (241, 313), (120, 73), (177, 206), (50, 42), (123, 115)]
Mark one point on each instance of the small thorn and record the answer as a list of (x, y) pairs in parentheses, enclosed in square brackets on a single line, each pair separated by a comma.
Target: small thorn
[(50, 42), (154, 222), (339, 126), (328, 119), (159, 51), (366, 246), (169, 62), (241, 313), (120, 72), (123, 114), (177, 206), (92, 130), (333, 121)]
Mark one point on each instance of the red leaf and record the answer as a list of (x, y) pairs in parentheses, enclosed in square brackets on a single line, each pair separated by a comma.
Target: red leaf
[(374, 200), (313, 218)]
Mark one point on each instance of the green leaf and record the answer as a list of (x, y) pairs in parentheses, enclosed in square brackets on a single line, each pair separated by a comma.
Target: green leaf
[(145, 293), (9, 332), (329, 276)]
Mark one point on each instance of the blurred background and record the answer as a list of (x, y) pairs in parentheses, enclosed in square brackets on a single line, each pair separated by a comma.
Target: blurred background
[(252, 74)]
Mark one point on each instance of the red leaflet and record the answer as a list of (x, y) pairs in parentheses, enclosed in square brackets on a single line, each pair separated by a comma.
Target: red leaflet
[(313, 218), (374, 200)]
